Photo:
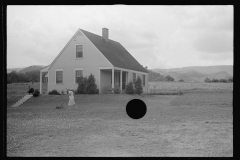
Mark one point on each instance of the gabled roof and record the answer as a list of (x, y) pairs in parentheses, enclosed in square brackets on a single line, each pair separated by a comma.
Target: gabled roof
[(114, 52)]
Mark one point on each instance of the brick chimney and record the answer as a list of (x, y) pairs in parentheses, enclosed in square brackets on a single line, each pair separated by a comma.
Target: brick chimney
[(105, 34)]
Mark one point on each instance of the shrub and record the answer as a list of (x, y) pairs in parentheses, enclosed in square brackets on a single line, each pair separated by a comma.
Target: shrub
[(129, 88), (169, 78), (62, 91), (82, 82), (215, 80), (116, 89), (91, 87), (36, 93), (87, 85), (31, 90), (207, 80), (54, 92), (224, 80), (181, 80), (138, 86)]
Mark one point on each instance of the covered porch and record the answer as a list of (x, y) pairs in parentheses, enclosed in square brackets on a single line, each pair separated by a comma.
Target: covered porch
[(44, 80), (112, 77)]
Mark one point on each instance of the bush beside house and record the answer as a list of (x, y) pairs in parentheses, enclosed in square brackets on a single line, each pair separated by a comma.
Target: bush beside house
[(87, 85), (129, 88), (36, 93), (116, 89), (30, 91), (82, 82), (54, 92), (138, 86)]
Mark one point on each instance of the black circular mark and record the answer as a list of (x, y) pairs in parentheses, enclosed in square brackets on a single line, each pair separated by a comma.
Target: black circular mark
[(136, 108)]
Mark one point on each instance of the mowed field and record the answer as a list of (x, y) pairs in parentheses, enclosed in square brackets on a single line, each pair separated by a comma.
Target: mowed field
[(198, 123)]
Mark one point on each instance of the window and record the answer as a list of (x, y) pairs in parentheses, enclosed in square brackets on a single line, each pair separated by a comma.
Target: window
[(45, 80), (144, 80), (79, 51), (134, 77), (78, 74), (59, 77)]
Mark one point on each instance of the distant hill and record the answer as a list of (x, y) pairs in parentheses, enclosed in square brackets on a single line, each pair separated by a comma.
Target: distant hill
[(202, 69), (13, 69), (197, 73), (26, 69), (219, 75), (30, 68), (153, 76)]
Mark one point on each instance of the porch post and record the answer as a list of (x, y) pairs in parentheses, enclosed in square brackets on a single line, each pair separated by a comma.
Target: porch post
[(99, 85), (40, 82), (120, 80), (113, 78)]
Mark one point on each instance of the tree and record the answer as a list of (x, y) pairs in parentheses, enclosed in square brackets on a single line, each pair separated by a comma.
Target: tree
[(82, 82), (33, 76), (13, 77), (138, 86), (215, 80), (23, 77), (129, 88), (169, 78), (91, 87), (207, 80)]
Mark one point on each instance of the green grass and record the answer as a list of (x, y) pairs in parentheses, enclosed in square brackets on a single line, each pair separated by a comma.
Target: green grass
[(16, 91), (167, 87), (159, 92), (194, 124), (101, 127)]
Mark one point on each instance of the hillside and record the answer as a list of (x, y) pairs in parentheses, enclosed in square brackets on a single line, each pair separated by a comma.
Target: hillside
[(200, 69), (153, 76), (30, 68), (13, 69), (198, 74), (26, 69)]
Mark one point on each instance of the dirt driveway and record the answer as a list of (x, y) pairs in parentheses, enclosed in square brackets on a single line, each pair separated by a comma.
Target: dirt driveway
[(194, 124)]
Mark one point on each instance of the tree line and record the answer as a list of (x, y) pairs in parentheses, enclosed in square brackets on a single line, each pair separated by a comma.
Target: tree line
[(153, 76), (229, 80), (19, 77)]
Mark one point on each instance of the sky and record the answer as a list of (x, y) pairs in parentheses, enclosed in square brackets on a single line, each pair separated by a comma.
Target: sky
[(157, 36)]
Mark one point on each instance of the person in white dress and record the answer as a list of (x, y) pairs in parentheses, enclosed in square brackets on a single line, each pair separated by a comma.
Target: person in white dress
[(71, 98)]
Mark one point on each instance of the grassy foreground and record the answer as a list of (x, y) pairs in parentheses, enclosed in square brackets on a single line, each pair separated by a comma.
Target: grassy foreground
[(193, 124)]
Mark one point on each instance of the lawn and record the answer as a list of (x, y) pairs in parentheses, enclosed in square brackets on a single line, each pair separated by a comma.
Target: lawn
[(16, 91), (193, 124), (189, 87)]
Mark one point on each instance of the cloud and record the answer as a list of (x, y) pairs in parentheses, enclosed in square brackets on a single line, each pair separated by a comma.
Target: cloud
[(157, 36), (204, 17), (214, 42)]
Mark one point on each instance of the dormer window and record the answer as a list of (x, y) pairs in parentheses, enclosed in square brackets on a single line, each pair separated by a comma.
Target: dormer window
[(79, 51)]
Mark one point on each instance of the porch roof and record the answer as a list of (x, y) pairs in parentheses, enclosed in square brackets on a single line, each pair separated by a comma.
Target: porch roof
[(45, 69)]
